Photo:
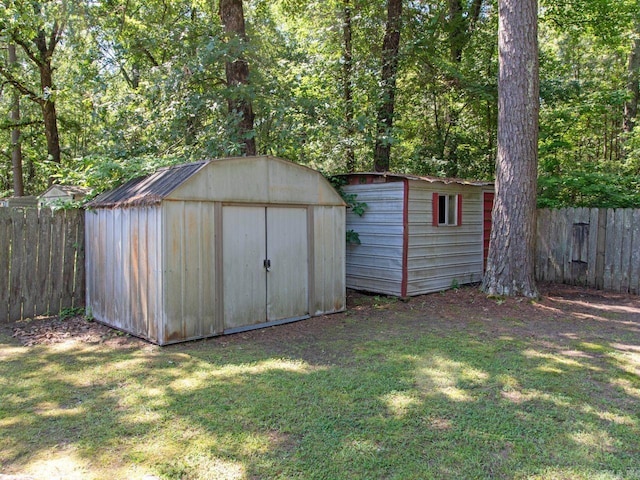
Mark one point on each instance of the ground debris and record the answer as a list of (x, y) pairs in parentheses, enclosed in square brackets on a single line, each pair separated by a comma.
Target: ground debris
[(53, 330)]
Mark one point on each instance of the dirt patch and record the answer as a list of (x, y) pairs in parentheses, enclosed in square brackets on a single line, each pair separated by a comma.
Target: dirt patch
[(450, 310), (54, 330)]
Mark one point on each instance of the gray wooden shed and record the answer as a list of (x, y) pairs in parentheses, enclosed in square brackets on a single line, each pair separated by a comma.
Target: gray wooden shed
[(418, 234), (215, 247)]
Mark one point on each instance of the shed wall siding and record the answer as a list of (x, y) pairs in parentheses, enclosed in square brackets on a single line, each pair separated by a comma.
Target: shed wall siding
[(441, 256), (328, 271), (188, 271), (128, 297), (376, 263)]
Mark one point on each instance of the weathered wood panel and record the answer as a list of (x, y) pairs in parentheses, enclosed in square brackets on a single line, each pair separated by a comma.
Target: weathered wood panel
[(5, 262), (634, 280), (599, 248), (40, 258), (31, 251)]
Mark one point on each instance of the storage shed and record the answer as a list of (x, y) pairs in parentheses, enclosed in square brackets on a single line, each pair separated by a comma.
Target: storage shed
[(418, 234), (58, 194), (215, 247)]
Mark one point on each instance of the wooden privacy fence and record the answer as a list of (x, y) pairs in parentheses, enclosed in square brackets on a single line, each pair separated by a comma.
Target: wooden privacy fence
[(599, 248), (41, 262)]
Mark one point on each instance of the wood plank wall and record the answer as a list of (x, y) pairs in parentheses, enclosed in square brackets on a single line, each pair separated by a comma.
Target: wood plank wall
[(599, 248), (41, 262)]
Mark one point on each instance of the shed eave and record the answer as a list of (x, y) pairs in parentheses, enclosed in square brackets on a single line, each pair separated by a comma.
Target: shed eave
[(419, 178)]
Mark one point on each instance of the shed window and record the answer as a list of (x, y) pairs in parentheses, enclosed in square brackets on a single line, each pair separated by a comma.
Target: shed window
[(447, 210)]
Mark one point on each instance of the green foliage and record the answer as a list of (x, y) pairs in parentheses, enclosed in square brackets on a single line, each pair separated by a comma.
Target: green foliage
[(358, 208), (145, 87), (70, 312), (589, 189)]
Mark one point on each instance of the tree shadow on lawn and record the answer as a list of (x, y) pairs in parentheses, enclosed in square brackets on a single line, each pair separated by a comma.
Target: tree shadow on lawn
[(450, 385)]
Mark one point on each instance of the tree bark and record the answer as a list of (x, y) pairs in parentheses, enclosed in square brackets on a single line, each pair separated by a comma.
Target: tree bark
[(510, 264), (347, 79), (49, 114), (390, 48), (16, 151), (237, 72), (631, 105)]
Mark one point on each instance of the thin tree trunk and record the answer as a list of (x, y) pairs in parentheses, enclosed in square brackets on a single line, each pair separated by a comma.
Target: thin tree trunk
[(510, 264), (16, 152), (390, 48), (347, 79), (631, 106), (237, 72)]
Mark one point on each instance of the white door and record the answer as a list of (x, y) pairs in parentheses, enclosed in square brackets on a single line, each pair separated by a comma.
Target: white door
[(265, 265)]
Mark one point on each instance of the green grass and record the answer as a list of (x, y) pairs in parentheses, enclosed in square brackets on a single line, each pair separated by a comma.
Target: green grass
[(365, 400)]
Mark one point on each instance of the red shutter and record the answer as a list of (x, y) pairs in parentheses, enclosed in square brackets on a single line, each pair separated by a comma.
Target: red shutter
[(459, 196), (435, 209)]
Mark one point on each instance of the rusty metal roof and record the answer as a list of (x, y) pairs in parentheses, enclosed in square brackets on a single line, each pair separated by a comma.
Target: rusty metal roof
[(148, 190), (384, 176)]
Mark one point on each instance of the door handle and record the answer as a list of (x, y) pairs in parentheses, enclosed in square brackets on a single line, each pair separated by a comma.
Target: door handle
[(267, 264)]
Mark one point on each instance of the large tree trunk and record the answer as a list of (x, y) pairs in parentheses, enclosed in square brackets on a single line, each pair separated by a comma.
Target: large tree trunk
[(347, 87), (631, 106), (16, 150), (237, 72), (510, 264), (47, 103), (384, 124), (49, 114)]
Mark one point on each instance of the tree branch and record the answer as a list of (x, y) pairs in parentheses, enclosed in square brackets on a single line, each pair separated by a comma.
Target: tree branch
[(13, 81), (27, 50)]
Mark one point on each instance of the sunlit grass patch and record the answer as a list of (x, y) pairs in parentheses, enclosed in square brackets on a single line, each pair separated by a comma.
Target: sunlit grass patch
[(398, 399)]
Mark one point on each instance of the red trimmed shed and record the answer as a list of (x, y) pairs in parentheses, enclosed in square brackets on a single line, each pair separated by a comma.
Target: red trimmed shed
[(418, 234)]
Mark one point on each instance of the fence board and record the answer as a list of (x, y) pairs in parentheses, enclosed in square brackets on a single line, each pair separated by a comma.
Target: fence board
[(5, 256), (79, 279), (57, 258), (599, 248), (616, 253), (42, 283), (29, 262), (593, 246), (70, 225), (625, 251), (634, 281), (37, 267), (18, 265), (635, 255), (542, 243)]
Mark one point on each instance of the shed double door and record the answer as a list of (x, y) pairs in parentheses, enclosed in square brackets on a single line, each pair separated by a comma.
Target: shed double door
[(265, 265)]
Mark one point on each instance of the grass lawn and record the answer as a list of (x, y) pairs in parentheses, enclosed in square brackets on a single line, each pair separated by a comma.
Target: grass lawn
[(450, 385)]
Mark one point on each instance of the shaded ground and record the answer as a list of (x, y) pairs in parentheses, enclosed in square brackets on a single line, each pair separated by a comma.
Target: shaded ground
[(454, 309)]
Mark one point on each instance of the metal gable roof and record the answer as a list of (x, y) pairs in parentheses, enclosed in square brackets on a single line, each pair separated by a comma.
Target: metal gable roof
[(387, 176), (149, 190)]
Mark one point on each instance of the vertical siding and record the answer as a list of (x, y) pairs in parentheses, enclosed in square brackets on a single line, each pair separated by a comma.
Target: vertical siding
[(244, 277), (288, 252), (123, 281), (328, 250), (376, 263), (441, 256), (188, 261)]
